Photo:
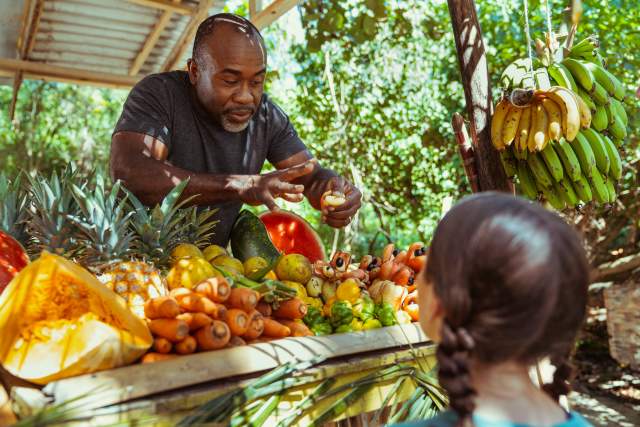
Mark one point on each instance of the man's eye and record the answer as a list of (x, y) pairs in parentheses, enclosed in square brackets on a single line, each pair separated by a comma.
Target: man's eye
[(257, 82), (230, 82)]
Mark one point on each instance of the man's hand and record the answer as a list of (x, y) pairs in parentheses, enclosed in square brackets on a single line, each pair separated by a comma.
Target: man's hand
[(340, 216), (264, 189)]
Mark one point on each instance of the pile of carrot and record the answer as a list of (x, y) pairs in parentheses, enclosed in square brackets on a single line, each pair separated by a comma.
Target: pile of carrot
[(214, 315)]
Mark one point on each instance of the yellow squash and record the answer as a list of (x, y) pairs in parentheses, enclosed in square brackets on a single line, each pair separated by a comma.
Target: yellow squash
[(57, 320)]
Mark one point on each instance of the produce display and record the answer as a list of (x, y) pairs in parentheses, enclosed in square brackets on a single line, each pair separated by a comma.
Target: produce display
[(559, 131)]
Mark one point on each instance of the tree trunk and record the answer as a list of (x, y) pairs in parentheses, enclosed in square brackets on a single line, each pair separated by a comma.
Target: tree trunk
[(477, 91)]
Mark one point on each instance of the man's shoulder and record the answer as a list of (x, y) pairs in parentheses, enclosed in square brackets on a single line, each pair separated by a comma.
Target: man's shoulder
[(170, 80)]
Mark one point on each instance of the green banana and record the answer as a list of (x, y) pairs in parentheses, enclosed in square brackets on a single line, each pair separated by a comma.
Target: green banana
[(581, 73), (616, 162), (508, 162), (618, 109), (587, 99), (617, 142), (610, 113), (551, 159), (599, 120), (585, 154), (583, 190), (599, 150), (554, 198), (599, 187), (587, 44), (567, 192), (599, 94), (519, 154), (562, 76), (568, 159), (617, 129), (611, 188), (608, 81), (527, 183), (540, 173)]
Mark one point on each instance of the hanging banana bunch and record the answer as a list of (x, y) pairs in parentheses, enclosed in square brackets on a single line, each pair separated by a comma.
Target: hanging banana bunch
[(561, 139)]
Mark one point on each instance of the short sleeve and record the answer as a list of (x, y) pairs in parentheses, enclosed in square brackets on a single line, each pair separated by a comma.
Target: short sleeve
[(283, 139), (148, 110)]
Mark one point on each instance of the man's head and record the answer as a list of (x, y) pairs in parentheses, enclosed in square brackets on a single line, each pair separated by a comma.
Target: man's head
[(227, 69)]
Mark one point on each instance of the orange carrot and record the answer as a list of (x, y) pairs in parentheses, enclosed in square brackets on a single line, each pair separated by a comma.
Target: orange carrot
[(195, 320), (243, 298), (162, 345), (275, 329), (294, 308), (178, 292), (221, 312), (217, 289), (256, 325), (237, 320), (236, 342), (298, 329), (213, 337), (197, 304), (161, 307), (187, 345), (156, 357), (172, 329), (264, 308)]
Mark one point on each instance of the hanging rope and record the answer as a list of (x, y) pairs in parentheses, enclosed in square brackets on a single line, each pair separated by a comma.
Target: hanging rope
[(528, 34), (549, 27)]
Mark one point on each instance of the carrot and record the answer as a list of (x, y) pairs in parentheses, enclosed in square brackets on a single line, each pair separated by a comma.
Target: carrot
[(178, 292), (156, 357), (294, 308), (221, 312), (197, 304), (172, 329), (162, 345), (256, 325), (275, 329), (161, 307), (237, 320), (217, 289), (213, 337), (298, 329), (195, 320), (236, 342), (187, 345), (243, 298), (264, 308)]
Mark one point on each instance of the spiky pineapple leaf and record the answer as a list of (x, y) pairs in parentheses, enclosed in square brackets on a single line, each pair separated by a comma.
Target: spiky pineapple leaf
[(13, 208)]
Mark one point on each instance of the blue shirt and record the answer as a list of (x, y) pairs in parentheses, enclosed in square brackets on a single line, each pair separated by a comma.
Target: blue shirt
[(449, 419)]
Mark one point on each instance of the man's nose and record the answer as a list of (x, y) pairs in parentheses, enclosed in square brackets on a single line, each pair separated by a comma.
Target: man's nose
[(243, 96)]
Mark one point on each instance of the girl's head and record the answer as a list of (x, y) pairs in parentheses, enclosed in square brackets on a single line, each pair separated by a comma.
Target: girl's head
[(505, 280)]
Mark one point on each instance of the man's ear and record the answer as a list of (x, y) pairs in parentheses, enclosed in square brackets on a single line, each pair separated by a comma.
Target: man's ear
[(192, 68)]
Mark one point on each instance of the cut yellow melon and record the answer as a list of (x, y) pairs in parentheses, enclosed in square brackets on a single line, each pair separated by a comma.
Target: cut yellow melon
[(57, 320)]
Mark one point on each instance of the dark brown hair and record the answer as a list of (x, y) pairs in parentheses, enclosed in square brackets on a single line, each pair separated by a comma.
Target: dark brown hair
[(512, 279)]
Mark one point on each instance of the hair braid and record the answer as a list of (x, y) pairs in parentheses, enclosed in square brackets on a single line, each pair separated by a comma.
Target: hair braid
[(453, 370), (559, 386)]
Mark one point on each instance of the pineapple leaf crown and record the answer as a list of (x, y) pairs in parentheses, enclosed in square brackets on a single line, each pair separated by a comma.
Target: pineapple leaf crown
[(13, 208)]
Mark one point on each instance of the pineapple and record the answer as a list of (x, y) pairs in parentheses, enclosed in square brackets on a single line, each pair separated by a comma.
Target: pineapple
[(13, 209), (105, 234), (199, 226)]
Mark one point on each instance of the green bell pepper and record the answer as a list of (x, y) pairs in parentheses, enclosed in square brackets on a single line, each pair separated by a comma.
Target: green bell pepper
[(341, 313), (344, 329), (386, 314), (364, 308), (313, 316), (322, 328)]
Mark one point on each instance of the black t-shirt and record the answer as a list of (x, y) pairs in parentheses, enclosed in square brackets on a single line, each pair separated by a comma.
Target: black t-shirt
[(164, 106)]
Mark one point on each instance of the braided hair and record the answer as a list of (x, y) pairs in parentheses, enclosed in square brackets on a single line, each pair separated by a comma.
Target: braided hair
[(512, 279)]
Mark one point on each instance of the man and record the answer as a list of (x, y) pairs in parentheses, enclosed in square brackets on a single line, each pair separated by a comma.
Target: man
[(214, 125)]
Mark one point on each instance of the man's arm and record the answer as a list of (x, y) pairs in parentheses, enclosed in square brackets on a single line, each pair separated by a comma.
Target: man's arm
[(140, 162)]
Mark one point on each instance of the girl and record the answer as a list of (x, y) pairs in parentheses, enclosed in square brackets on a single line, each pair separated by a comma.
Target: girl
[(505, 285)]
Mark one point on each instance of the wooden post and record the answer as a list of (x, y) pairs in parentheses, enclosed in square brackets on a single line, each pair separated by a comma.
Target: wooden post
[(477, 91)]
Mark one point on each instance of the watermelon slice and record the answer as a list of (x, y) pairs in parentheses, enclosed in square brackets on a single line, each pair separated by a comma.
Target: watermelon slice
[(291, 234), (13, 258)]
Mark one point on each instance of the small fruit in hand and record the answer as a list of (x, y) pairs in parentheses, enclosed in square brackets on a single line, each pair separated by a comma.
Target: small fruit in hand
[(332, 199), (294, 267)]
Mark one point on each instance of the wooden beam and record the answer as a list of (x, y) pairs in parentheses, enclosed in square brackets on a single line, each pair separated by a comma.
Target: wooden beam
[(272, 12), (39, 70), (472, 59), (30, 41), (255, 6), (25, 31), (168, 5), (187, 35), (151, 41)]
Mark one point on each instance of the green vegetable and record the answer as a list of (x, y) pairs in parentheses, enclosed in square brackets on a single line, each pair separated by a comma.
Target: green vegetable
[(364, 308), (386, 314), (322, 328), (343, 329), (371, 324), (314, 316), (341, 313)]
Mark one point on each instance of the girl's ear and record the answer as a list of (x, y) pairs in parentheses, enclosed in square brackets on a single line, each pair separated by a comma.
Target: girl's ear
[(431, 311)]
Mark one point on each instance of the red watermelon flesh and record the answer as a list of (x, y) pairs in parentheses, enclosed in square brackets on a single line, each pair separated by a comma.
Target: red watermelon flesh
[(13, 258), (291, 234)]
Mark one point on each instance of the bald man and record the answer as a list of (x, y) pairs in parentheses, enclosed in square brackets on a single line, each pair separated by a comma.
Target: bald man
[(215, 125)]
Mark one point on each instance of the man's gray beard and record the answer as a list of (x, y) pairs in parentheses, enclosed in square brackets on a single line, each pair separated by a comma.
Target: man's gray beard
[(230, 126)]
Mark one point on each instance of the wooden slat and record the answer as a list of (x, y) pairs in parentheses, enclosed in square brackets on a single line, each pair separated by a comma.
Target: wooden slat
[(48, 72), (187, 35), (182, 9), (272, 12), (255, 6), (151, 41), (35, 22), (137, 381)]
